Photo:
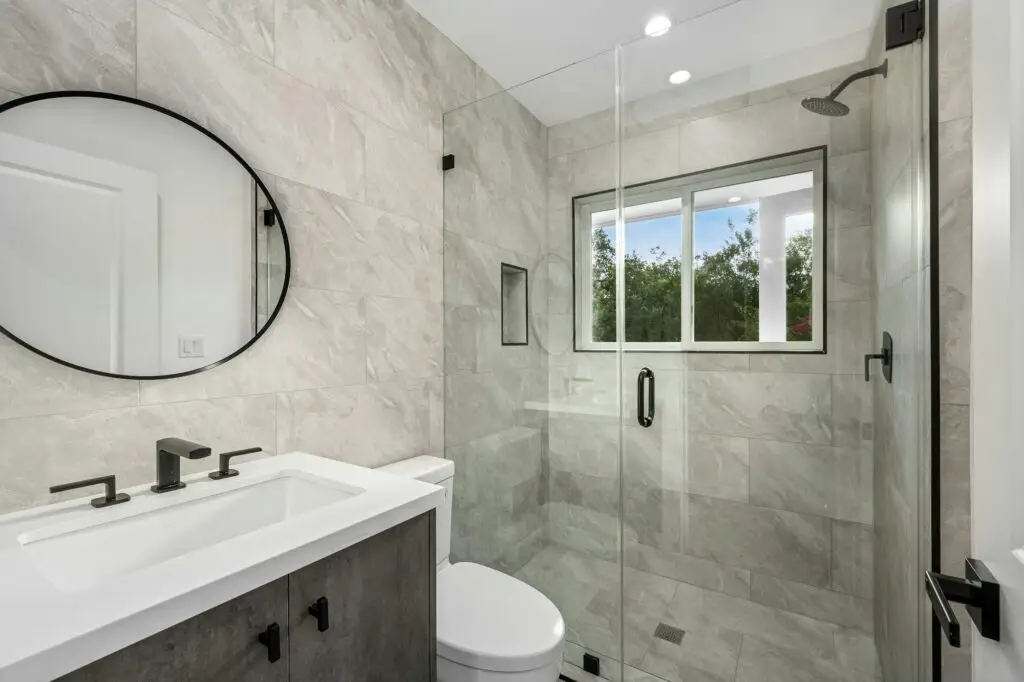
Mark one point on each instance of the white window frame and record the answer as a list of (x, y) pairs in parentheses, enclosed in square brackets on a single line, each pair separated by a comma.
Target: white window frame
[(684, 188)]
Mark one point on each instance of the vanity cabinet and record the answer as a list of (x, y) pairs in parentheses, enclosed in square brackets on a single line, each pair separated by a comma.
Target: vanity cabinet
[(381, 611)]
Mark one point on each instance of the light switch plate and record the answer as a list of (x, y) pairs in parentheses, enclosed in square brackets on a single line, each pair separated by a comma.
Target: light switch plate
[(191, 346)]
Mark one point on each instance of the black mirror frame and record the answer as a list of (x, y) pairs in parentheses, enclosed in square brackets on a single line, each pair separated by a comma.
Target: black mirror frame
[(224, 145)]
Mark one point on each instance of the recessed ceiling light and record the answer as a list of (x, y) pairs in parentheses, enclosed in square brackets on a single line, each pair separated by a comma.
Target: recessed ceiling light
[(735, 200), (658, 26), (679, 77)]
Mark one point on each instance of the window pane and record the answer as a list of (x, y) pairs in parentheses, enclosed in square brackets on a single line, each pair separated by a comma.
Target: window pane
[(603, 278), (654, 280), (799, 254), (752, 270), (726, 267)]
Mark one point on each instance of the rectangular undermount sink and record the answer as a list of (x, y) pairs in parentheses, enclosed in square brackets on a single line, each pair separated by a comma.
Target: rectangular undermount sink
[(81, 555), (79, 583)]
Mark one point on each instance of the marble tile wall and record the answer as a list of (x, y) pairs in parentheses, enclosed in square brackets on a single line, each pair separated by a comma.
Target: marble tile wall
[(955, 124), (494, 203), (756, 479), (339, 106)]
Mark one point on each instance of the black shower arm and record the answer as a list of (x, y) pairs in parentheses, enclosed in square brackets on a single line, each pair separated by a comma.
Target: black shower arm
[(882, 70)]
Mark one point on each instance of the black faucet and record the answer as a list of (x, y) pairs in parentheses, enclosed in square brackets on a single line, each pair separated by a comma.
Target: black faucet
[(169, 453)]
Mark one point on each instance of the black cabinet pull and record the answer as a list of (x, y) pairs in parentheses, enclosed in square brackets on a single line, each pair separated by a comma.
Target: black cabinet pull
[(271, 638), (319, 610), (645, 415), (979, 592)]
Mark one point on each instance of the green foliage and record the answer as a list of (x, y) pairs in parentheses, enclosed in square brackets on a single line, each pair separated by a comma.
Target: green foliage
[(725, 282)]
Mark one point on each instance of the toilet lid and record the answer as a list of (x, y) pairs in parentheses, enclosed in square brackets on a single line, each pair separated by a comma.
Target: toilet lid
[(490, 621)]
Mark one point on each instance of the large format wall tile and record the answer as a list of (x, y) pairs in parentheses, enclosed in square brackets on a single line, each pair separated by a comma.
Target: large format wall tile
[(815, 602), (785, 407), (778, 543), (852, 554), (393, 162), (246, 23), (281, 124), (403, 339), (348, 423), (318, 341), (67, 44), (718, 466), (343, 245), (32, 385), (821, 480), (37, 452)]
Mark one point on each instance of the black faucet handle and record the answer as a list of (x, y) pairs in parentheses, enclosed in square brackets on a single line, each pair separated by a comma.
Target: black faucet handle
[(111, 497), (225, 460)]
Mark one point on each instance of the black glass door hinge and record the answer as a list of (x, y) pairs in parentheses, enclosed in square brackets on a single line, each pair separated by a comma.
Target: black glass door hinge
[(447, 162), (904, 24)]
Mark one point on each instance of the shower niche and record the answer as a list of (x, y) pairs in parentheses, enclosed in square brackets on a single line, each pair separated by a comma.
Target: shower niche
[(515, 307)]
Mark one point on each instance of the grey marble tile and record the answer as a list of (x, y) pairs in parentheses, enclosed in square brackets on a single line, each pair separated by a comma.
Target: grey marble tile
[(761, 662), (652, 517), (343, 245), (248, 24), (955, 485), (684, 568), (955, 203), (954, 64), (7, 96), (654, 457), (812, 479), (718, 466), (403, 339), (856, 653), (786, 407), (393, 162), (583, 447), (366, 425), (67, 45), (815, 602), (35, 450), (775, 127), (279, 123), (705, 655), (850, 265), (317, 341), (583, 133), (694, 609), (720, 362), (852, 559), (651, 156), (852, 133), (849, 187), (32, 385), (852, 418), (779, 543)]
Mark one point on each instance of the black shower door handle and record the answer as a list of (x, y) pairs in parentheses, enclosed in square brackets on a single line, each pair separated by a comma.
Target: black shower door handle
[(645, 415)]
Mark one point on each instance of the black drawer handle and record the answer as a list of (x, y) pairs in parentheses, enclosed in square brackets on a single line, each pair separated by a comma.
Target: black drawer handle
[(271, 638), (319, 610)]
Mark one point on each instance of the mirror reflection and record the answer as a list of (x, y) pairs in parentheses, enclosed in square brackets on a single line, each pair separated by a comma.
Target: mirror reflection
[(132, 243)]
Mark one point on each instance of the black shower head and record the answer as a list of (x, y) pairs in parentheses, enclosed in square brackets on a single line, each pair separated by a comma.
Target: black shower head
[(829, 106)]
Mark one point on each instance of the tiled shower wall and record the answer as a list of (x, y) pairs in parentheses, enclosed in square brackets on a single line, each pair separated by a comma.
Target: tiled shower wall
[(756, 480), (495, 207), (339, 105), (955, 125)]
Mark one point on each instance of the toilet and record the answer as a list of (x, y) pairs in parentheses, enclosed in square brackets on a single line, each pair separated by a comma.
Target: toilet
[(490, 626)]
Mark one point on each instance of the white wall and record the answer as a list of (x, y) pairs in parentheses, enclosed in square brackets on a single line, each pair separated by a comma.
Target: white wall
[(205, 215)]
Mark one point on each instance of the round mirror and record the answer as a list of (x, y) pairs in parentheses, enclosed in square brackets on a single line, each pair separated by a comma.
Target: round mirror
[(133, 242)]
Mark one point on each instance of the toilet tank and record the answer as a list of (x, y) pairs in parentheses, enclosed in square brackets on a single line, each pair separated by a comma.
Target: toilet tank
[(439, 472)]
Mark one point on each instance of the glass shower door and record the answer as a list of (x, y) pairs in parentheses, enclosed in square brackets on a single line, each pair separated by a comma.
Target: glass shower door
[(533, 382)]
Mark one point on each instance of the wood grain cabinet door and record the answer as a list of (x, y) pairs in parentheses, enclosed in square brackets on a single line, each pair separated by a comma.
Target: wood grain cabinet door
[(380, 596), (219, 645)]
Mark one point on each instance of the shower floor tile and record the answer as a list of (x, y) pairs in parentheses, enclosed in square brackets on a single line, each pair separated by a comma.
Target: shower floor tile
[(726, 638)]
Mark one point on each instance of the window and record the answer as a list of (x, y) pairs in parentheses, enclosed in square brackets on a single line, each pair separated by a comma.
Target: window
[(725, 260)]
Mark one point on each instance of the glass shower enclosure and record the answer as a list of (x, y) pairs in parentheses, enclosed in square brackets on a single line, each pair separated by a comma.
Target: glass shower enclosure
[(661, 299)]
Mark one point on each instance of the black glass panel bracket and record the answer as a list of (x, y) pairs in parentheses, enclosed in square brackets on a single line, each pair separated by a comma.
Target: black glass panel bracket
[(904, 24), (515, 305), (885, 356), (978, 592)]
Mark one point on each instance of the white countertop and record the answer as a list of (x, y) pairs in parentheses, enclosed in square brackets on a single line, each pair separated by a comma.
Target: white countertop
[(47, 631)]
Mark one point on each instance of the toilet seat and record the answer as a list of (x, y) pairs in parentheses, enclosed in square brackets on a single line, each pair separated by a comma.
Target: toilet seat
[(487, 620)]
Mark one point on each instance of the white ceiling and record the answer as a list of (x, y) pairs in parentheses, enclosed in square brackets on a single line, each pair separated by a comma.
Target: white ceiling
[(756, 43)]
